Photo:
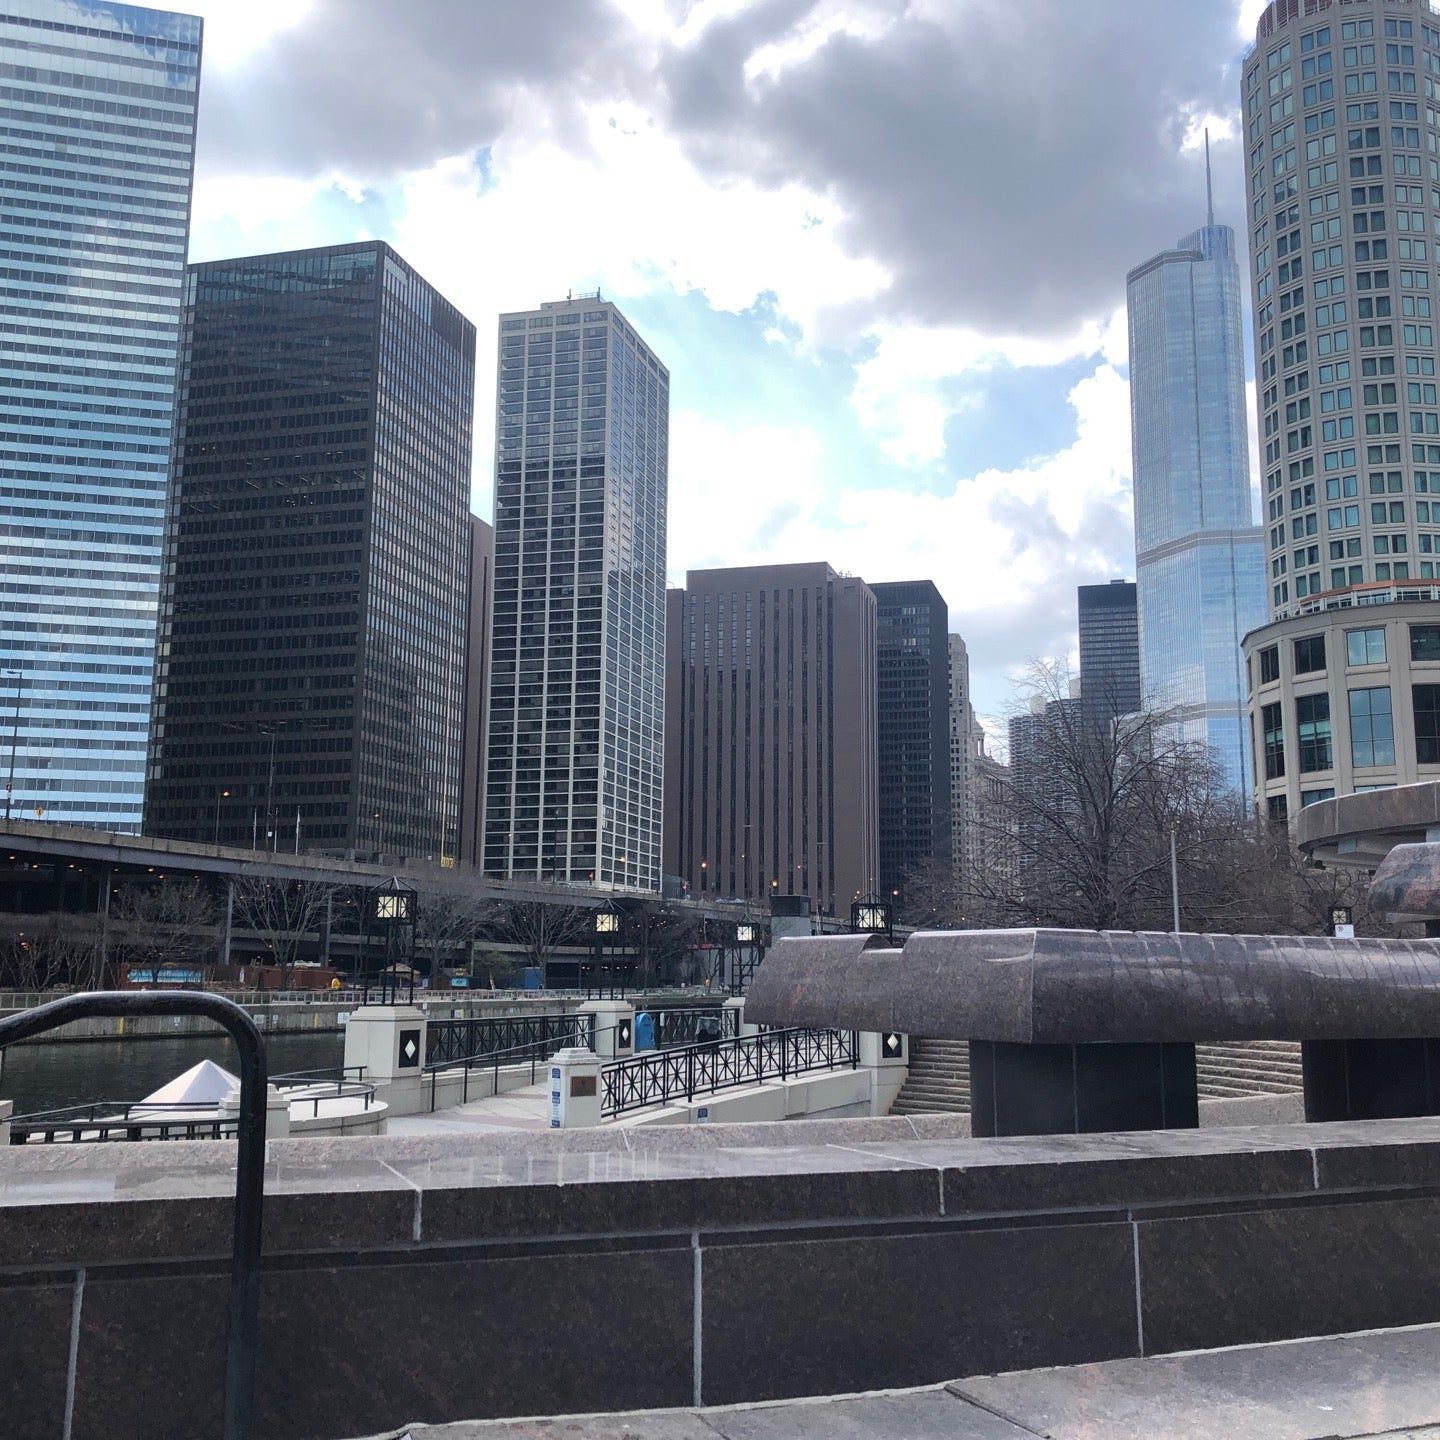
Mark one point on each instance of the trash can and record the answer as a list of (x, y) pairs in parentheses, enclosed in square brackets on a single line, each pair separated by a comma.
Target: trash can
[(644, 1031), (707, 1029)]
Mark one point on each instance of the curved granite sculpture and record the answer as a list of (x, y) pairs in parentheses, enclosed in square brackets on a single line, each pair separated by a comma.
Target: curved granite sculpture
[(1080, 987), (1407, 881), (1078, 1031)]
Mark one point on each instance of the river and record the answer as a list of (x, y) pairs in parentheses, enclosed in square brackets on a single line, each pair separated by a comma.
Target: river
[(47, 1075)]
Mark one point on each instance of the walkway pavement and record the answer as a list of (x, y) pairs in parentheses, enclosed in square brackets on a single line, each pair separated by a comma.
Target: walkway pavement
[(525, 1109), (1377, 1384)]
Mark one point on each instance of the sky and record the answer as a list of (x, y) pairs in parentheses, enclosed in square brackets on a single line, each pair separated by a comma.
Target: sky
[(880, 244)]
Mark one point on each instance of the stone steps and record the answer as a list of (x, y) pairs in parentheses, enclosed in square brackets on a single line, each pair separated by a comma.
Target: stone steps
[(938, 1082)]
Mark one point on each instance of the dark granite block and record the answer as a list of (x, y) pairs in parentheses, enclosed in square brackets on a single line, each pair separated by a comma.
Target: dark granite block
[(34, 1356), (672, 1203), (817, 1317), (1370, 1079), (1081, 1089), (354, 1349), (1290, 1271)]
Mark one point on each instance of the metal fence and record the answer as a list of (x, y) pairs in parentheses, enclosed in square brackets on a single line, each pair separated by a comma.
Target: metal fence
[(664, 1075), (451, 1042), (679, 1025)]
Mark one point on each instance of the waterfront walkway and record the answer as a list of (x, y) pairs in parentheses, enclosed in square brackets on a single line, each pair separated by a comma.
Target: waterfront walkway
[(1375, 1384), (524, 1109)]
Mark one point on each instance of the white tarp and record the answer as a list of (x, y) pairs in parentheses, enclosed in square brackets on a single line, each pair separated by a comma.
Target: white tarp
[(202, 1084)]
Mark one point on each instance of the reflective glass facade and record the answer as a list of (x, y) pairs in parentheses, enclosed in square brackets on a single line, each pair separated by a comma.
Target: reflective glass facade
[(97, 119), (574, 756), (1109, 650), (1199, 560), (311, 670)]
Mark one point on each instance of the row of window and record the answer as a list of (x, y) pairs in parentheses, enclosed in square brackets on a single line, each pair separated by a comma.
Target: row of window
[(1362, 647), (1372, 731)]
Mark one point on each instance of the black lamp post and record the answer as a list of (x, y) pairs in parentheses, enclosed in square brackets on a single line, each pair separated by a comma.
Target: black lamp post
[(607, 928), (870, 915), (391, 912)]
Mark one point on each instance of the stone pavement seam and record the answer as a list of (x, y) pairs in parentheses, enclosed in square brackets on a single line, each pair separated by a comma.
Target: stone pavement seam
[(416, 1227)]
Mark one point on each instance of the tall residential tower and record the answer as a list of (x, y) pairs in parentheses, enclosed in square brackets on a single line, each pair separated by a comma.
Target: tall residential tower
[(577, 663), (1342, 134), (98, 116), (1199, 557), (310, 685)]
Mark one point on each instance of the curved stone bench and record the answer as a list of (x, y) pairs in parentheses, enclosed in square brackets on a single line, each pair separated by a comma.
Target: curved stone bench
[(1083, 1031)]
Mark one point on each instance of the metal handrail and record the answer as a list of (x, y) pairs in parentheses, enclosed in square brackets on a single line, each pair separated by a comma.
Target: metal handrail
[(250, 1164), (652, 1078)]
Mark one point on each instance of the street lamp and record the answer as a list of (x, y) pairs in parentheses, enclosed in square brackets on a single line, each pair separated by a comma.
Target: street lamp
[(392, 909), (219, 796), (870, 915), (607, 926)]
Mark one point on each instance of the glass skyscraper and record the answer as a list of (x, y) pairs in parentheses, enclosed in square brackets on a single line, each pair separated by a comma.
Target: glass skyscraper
[(1199, 557), (310, 684), (97, 117), (575, 756)]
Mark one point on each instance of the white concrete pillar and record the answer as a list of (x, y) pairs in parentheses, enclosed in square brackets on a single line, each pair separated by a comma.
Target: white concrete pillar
[(7, 1109), (614, 1027), (737, 1004), (277, 1111), (887, 1057), (389, 1042), (574, 1089)]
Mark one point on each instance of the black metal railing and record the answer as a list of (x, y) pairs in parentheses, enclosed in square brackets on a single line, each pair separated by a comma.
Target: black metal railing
[(315, 1087), (680, 1025), (124, 1120), (451, 1042), (249, 1169), (656, 1078)]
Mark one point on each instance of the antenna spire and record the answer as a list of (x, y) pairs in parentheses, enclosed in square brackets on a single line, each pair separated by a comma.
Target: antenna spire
[(1209, 184)]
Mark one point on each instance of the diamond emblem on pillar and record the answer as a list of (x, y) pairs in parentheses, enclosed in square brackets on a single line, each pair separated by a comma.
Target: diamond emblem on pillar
[(892, 1045), (409, 1049)]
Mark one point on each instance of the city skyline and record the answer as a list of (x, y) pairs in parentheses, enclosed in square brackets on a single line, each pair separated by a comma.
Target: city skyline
[(896, 401)]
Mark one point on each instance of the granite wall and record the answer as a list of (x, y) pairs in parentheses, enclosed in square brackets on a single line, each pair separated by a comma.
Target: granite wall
[(459, 1277)]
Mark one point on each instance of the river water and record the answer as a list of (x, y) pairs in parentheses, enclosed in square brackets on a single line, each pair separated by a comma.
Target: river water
[(47, 1075)]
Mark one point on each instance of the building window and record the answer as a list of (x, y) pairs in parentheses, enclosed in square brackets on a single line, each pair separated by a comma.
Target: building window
[(1269, 664), (1312, 729), (1426, 699), (1425, 642), (1311, 797), (1309, 654), (1365, 647), (1272, 729), (1372, 727), (1278, 809)]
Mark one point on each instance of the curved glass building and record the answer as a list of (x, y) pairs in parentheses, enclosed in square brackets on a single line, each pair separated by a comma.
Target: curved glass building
[(1199, 558), (97, 116)]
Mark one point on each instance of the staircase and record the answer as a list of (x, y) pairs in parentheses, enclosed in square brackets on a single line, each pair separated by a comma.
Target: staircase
[(1248, 1067), (939, 1078)]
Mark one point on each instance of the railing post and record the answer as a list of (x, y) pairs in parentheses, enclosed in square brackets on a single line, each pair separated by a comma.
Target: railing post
[(689, 1076)]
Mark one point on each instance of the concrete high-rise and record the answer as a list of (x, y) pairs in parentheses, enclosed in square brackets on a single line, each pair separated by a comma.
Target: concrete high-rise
[(311, 675), (1199, 557), (574, 750), (1109, 650), (1341, 134), (477, 676), (770, 734), (913, 729), (98, 115)]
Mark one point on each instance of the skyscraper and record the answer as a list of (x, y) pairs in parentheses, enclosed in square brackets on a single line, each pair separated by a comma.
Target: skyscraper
[(575, 749), (913, 728), (1199, 558), (1344, 218), (310, 681), (962, 727), (1109, 650), (477, 677), (98, 115), (770, 734)]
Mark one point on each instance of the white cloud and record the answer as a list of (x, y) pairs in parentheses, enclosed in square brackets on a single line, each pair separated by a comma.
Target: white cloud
[(235, 29)]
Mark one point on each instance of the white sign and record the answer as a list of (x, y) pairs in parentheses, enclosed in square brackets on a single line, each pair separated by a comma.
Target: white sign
[(702, 1115), (1344, 932), (554, 1097)]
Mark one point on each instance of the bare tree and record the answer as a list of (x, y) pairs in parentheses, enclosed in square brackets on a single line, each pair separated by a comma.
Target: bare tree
[(538, 929), (449, 916), (281, 913), (43, 951), (171, 922)]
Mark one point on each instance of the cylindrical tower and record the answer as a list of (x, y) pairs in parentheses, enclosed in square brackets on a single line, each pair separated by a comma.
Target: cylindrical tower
[(1342, 136)]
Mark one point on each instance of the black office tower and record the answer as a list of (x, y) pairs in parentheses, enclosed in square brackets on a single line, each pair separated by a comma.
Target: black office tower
[(1109, 650), (913, 729), (310, 679)]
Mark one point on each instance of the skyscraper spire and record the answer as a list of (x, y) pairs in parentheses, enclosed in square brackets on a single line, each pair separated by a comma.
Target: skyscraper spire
[(1209, 186)]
